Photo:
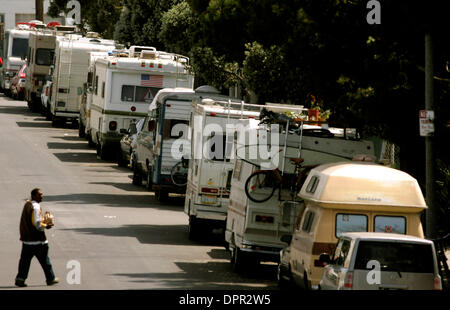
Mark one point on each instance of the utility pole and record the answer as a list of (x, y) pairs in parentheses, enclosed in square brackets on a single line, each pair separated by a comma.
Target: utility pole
[(431, 215), (39, 10)]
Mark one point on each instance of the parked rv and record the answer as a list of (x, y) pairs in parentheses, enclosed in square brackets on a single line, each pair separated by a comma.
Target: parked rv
[(15, 48), (70, 72), (209, 175), (41, 51), (403, 262), (124, 87), (350, 197), (253, 229)]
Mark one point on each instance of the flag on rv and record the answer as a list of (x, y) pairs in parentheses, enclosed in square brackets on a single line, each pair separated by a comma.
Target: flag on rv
[(152, 80)]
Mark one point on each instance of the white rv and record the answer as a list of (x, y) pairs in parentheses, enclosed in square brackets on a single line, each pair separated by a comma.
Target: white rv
[(124, 87), (253, 230), (15, 49), (213, 125), (71, 69)]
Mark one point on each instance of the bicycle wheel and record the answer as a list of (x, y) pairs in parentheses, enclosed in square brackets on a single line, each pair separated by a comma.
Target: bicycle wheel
[(260, 186), (179, 174)]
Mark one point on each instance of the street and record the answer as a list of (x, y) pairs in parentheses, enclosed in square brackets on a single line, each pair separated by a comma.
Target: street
[(122, 237)]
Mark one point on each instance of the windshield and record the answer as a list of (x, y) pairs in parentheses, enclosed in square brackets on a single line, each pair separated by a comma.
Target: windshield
[(44, 56), (19, 47)]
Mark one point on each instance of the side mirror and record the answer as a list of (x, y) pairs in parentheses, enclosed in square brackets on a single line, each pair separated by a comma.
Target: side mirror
[(325, 259), (286, 239)]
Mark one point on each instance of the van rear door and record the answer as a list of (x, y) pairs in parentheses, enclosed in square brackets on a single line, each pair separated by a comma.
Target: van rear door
[(403, 265)]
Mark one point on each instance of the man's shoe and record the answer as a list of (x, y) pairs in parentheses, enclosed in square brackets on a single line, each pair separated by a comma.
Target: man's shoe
[(21, 283), (54, 281)]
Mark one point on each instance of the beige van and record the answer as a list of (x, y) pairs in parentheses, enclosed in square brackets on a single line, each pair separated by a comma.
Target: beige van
[(350, 197)]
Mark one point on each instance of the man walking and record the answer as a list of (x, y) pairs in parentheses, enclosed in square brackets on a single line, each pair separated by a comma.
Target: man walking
[(34, 241)]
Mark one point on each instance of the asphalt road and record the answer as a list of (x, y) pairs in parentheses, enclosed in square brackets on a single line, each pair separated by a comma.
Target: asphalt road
[(122, 237)]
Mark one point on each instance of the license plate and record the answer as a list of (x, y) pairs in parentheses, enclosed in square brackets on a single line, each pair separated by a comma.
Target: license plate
[(209, 199)]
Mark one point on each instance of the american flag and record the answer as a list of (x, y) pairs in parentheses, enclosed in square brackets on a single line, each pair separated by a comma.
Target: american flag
[(152, 80)]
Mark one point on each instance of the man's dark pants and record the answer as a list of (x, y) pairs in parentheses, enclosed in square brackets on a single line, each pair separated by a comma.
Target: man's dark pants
[(41, 253)]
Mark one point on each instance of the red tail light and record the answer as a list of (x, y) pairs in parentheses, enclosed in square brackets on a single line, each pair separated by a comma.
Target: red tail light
[(113, 125), (437, 283), (46, 91), (348, 282), (210, 190)]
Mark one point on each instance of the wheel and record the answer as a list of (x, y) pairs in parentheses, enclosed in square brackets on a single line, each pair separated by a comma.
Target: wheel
[(306, 282), (81, 132), (54, 121), (90, 141), (121, 161), (149, 179), (238, 260), (282, 275), (260, 186), (179, 174), (161, 195), (101, 151), (137, 178), (193, 228)]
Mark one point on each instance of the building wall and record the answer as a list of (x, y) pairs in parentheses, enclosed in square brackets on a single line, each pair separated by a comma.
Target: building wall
[(13, 11)]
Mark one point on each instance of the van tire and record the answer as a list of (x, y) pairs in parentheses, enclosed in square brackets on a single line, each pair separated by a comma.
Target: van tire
[(306, 282), (81, 132), (193, 228), (161, 195), (149, 179), (101, 151), (90, 141), (137, 178), (238, 260), (282, 282)]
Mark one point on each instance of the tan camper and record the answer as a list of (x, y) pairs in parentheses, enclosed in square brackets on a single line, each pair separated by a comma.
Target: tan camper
[(350, 197)]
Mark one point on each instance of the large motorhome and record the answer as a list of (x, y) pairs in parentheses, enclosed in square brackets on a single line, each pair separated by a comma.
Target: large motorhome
[(124, 87), (41, 50), (15, 49), (213, 125), (253, 229), (70, 72)]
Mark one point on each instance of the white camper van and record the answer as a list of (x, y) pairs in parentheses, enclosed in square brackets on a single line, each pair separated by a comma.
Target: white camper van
[(71, 69), (254, 229), (209, 174), (15, 49), (124, 87)]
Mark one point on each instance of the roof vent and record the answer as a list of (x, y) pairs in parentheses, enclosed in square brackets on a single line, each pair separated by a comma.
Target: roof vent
[(207, 89)]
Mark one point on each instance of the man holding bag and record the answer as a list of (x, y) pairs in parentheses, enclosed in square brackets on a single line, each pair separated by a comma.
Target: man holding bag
[(34, 241)]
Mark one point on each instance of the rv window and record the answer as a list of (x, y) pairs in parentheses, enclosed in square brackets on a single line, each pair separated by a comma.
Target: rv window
[(145, 94), (103, 89), (127, 93), (349, 223), (19, 48), (44, 56), (312, 185), (96, 84), (307, 222), (390, 224)]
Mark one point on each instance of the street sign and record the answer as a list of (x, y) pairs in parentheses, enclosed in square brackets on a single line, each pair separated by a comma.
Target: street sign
[(426, 122)]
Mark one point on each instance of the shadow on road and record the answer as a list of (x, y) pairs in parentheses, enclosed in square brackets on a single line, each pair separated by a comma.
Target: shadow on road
[(34, 125), (19, 110), (210, 276), (68, 146), (115, 200)]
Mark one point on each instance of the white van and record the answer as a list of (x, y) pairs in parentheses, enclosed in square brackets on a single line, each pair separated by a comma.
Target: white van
[(124, 87), (254, 229), (350, 197), (209, 175), (381, 261), (70, 72)]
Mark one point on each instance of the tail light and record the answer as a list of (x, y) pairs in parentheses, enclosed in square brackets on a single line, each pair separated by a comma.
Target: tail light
[(210, 190), (46, 91), (437, 283), (348, 282), (112, 125)]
